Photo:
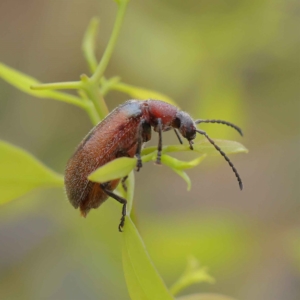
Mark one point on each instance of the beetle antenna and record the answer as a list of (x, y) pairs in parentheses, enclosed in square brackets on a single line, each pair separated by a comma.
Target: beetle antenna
[(225, 156), (238, 129)]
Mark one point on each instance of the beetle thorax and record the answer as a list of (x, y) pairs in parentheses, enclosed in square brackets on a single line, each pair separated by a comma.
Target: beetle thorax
[(154, 110)]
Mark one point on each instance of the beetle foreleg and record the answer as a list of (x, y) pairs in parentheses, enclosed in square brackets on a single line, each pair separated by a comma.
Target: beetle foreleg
[(139, 163), (178, 136), (159, 148), (119, 199)]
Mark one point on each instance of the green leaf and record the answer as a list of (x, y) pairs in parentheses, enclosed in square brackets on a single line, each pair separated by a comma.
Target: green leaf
[(185, 177), (203, 147), (23, 82), (140, 93), (205, 297), (148, 150), (143, 280), (115, 169), (130, 191), (88, 44), (20, 173), (193, 274), (229, 147), (179, 164)]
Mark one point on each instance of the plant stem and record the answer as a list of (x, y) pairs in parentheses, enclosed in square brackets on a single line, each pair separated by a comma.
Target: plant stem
[(99, 103), (108, 84), (67, 98), (93, 114), (68, 85), (88, 44), (94, 94), (122, 5)]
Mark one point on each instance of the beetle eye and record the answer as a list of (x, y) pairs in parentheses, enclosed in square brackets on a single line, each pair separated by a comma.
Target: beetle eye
[(176, 123)]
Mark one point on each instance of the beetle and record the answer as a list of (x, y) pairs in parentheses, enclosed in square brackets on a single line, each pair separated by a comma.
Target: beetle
[(122, 134)]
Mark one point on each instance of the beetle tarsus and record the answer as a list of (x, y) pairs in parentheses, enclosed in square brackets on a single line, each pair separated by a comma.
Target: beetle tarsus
[(158, 159), (119, 199), (121, 225), (124, 183), (139, 164)]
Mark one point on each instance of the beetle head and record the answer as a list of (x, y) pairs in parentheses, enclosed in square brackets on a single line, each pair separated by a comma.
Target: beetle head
[(186, 125)]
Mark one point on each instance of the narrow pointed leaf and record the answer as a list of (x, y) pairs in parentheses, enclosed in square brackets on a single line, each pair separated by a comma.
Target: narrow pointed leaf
[(143, 280), (228, 147), (185, 177), (115, 169), (20, 173), (193, 273), (179, 164), (130, 191), (149, 150), (203, 147), (171, 163), (23, 82)]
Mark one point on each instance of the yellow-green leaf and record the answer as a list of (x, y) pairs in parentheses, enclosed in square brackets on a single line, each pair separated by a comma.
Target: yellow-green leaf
[(185, 177), (130, 191), (140, 93), (193, 273), (171, 163), (115, 169), (228, 147), (203, 147), (179, 164), (143, 280), (20, 173), (23, 82)]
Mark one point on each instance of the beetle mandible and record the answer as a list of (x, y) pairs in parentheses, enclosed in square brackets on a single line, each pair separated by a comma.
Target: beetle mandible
[(123, 133)]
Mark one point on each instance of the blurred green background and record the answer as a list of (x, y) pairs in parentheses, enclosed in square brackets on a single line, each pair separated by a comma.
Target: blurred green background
[(236, 60)]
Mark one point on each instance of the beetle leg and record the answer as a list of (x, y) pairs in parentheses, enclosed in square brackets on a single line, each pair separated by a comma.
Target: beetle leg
[(178, 136), (119, 199), (124, 183), (139, 163), (159, 148)]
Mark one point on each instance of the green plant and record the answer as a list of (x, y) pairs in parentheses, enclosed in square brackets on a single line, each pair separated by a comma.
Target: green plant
[(20, 172)]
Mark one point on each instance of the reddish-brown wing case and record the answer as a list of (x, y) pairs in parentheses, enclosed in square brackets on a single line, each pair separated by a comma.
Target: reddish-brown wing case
[(115, 136)]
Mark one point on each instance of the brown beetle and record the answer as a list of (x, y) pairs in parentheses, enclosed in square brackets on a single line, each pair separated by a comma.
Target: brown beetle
[(122, 133)]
